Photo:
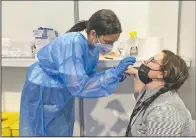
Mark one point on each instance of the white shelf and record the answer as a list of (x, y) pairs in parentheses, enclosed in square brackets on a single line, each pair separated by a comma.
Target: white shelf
[(26, 62), (17, 62)]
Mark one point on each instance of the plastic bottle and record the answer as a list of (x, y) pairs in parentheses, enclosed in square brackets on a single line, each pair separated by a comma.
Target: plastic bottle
[(132, 44)]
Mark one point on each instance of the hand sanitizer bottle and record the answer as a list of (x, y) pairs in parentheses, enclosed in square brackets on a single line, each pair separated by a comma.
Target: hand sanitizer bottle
[(133, 44)]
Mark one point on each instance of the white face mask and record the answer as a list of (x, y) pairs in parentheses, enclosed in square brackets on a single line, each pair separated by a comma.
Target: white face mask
[(104, 49)]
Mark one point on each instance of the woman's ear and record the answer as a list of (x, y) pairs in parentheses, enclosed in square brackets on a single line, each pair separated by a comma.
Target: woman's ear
[(92, 37), (92, 34)]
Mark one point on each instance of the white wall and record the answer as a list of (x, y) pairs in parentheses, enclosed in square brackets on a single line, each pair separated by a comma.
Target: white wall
[(12, 84), (163, 22), (187, 49), (20, 18), (127, 12), (148, 18)]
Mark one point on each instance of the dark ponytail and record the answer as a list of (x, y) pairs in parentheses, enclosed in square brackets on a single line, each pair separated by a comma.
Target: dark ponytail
[(80, 26), (104, 22)]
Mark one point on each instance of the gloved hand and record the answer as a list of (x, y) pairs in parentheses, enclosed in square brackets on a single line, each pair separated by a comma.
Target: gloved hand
[(123, 77), (123, 65)]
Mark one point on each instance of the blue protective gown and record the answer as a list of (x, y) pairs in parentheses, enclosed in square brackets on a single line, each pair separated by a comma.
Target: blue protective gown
[(66, 68)]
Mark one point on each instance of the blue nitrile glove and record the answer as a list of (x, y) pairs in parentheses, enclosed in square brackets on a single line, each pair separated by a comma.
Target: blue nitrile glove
[(124, 76), (123, 65)]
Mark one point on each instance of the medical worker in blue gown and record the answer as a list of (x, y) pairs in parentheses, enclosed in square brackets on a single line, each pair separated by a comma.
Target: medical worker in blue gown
[(66, 69)]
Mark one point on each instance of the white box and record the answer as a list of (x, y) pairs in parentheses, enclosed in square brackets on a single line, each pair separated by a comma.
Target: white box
[(44, 34), (16, 48)]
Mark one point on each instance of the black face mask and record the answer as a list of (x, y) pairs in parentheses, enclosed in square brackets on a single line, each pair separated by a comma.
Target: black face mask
[(143, 74)]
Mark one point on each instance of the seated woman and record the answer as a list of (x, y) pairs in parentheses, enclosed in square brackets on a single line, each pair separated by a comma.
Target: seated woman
[(159, 110)]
